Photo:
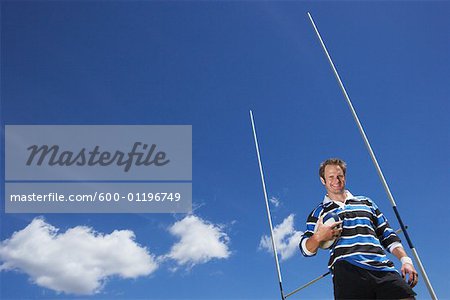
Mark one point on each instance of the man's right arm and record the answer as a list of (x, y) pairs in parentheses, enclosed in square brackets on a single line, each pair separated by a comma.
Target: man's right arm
[(324, 233), (309, 232), (312, 244)]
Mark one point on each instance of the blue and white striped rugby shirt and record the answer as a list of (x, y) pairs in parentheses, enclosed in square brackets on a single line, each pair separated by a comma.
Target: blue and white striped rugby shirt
[(365, 233)]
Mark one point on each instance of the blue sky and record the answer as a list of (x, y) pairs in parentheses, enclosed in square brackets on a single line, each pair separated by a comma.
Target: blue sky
[(206, 64)]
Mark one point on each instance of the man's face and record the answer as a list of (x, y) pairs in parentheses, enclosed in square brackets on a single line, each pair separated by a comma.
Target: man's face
[(334, 181)]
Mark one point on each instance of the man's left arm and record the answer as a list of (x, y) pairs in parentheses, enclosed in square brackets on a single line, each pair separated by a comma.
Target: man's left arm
[(407, 265), (392, 243)]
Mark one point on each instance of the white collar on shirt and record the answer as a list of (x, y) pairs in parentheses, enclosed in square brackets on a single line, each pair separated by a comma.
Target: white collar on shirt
[(327, 200)]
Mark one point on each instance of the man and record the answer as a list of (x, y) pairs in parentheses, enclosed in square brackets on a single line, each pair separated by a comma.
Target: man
[(360, 267)]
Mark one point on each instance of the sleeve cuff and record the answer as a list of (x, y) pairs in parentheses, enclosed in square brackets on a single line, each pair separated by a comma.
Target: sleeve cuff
[(394, 245), (305, 251)]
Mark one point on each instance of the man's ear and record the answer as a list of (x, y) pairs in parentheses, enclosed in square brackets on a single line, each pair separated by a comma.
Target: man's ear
[(323, 180)]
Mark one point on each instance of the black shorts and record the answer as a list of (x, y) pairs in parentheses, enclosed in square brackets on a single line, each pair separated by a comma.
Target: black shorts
[(352, 282)]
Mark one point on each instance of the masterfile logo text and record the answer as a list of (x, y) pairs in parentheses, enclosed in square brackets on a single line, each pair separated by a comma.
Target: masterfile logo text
[(140, 155), (98, 152)]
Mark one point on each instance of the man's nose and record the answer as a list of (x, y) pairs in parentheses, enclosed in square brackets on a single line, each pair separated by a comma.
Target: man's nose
[(336, 180)]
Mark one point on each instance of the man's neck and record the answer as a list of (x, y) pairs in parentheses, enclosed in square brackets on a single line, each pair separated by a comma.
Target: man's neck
[(338, 197)]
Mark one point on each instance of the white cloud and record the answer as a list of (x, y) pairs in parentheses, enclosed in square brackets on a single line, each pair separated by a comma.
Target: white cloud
[(200, 242), (286, 239), (78, 261), (275, 201)]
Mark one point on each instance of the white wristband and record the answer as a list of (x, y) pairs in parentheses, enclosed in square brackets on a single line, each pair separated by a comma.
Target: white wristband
[(406, 260)]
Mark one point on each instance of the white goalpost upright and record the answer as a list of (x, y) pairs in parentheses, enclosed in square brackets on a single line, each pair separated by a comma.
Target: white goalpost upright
[(269, 218), (261, 172)]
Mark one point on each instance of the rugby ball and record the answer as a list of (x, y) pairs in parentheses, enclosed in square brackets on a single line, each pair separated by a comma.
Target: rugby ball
[(328, 219)]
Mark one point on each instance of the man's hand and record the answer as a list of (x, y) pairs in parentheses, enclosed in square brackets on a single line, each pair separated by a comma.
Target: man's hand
[(323, 233), (327, 232), (409, 272)]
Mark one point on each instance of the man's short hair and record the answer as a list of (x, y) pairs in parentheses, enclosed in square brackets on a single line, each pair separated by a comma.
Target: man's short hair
[(332, 161)]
